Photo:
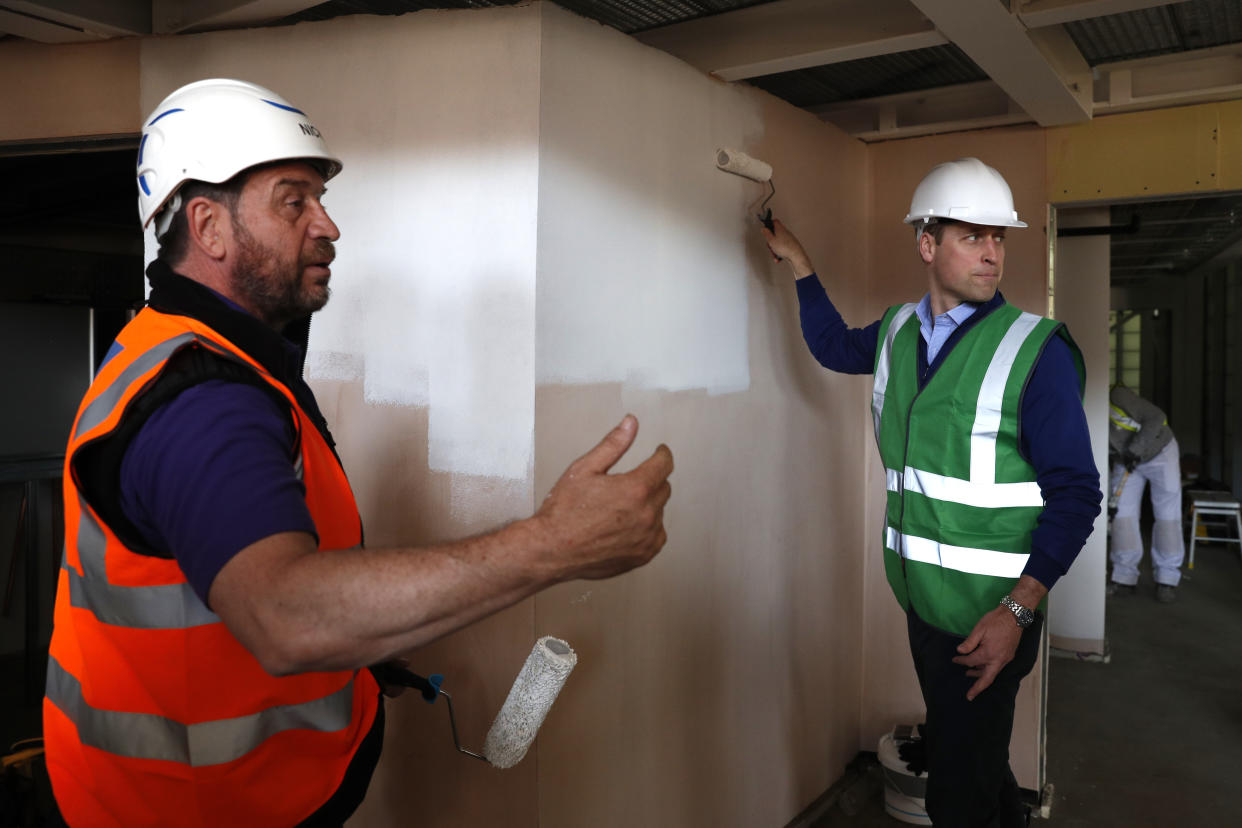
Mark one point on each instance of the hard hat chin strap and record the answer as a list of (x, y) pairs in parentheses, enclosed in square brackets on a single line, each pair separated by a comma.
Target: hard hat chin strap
[(923, 226), (163, 219)]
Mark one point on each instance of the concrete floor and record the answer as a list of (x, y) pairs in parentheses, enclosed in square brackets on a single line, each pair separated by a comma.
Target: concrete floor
[(1152, 739)]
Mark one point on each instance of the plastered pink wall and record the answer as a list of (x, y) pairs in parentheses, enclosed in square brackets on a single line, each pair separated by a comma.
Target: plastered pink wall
[(890, 689), (69, 90), (720, 684)]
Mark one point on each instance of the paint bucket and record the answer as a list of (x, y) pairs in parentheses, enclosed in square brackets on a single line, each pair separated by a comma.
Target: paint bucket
[(903, 791)]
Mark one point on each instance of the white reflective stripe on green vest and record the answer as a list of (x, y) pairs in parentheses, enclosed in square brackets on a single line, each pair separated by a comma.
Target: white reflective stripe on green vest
[(966, 492), (883, 365), (988, 409), (960, 558)]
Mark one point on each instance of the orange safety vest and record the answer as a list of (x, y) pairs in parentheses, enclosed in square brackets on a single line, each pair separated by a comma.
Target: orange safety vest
[(155, 714)]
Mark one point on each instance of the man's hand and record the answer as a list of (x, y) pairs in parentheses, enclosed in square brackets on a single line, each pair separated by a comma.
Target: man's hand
[(785, 245), (988, 648), (602, 524), (994, 640)]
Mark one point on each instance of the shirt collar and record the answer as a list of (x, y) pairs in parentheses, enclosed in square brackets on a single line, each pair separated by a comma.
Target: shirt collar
[(956, 315)]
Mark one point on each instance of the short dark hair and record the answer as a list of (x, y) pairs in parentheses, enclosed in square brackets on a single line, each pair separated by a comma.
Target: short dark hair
[(935, 228), (176, 240)]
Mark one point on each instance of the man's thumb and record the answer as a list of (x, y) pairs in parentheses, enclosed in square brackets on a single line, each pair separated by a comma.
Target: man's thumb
[(609, 450)]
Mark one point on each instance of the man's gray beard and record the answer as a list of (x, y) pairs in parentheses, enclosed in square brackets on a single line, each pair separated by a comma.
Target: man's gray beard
[(278, 297)]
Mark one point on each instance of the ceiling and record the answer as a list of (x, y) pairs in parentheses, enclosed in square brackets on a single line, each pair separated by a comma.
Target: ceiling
[(879, 69)]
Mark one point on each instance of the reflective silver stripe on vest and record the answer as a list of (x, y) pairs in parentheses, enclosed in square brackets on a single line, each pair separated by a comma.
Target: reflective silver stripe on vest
[(148, 736), (965, 492), (166, 607), (991, 398), (100, 407), (171, 606), (960, 558), (879, 388), (1123, 420)]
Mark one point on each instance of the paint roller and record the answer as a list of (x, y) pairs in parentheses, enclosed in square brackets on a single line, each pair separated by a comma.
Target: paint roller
[(739, 163), (537, 685)]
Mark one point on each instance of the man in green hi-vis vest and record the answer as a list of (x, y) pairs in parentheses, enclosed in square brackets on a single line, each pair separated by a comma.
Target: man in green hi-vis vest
[(992, 489)]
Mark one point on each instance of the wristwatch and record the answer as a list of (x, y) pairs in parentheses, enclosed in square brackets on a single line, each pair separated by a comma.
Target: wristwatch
[(1024, 616)]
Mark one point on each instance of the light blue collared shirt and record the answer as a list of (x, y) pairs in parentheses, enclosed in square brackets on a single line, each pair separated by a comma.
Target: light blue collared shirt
[(937, 331)]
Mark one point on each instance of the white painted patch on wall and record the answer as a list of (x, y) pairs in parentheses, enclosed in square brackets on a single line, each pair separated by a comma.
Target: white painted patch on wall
[(643, 264), (433, 299), (434, 283)]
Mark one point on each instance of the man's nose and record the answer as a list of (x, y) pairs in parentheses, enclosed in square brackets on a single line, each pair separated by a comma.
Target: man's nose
[(991, 251), (323, 227)]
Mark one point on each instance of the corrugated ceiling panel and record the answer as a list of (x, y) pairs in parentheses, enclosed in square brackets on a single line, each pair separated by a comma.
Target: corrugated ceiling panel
[(1198, 24), (874, 76), (629, 16), (340, 8), (632, 16)]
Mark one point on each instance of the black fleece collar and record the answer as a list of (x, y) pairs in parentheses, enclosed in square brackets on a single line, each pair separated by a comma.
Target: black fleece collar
[(282, 354)]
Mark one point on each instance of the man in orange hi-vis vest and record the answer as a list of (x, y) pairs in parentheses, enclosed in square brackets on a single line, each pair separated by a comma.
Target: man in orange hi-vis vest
[(216, 610)]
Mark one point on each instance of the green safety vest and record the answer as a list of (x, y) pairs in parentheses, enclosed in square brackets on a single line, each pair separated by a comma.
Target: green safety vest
[(962, 501)]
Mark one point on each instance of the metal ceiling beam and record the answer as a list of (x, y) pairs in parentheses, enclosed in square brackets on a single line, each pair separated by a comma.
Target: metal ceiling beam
[(1039, 13), (96, 18), (794, 34), (976, 105), (43, 31), (174, 16), (1041, 69), (1198, 76)]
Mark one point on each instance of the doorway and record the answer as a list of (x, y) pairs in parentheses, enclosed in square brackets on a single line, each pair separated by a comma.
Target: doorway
[(71, 258)]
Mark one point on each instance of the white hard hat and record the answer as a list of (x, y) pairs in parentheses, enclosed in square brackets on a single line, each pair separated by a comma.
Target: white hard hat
[(213, 129), (964, 190)]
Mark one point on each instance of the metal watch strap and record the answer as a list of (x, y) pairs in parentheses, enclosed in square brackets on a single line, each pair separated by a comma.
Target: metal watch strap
[(1024, 616)]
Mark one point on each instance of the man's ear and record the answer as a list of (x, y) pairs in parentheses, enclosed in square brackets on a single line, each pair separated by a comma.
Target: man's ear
[(927, 247), (207, 225)]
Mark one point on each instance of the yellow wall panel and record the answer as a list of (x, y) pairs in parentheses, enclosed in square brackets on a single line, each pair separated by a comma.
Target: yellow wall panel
[(1159, 152), (1230, 146)]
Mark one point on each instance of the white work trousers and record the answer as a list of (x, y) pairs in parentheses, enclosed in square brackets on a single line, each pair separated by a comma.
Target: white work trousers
[(1168, 549)]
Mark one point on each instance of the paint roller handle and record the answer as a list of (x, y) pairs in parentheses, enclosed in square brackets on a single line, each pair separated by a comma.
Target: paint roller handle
[(765, 218), (785, 245), (393, 674)]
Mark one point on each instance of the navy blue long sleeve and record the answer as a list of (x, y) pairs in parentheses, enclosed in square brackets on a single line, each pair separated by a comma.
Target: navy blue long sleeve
[(1053, 428)]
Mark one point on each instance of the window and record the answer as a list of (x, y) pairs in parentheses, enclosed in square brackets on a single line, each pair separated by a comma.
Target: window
[(1124, 348)]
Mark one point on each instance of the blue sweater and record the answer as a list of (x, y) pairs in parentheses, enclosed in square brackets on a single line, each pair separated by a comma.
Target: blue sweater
[(1053, 428)]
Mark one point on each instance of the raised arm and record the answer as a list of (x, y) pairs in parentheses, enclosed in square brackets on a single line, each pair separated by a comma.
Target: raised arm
[(834, 344), (297, 609)]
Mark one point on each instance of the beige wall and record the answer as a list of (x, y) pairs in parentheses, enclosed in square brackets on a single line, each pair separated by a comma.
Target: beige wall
[(68, 91), (720, 685)]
